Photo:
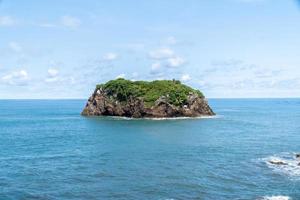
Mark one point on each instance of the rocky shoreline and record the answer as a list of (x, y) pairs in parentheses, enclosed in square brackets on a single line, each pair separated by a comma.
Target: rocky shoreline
[(102, 103)]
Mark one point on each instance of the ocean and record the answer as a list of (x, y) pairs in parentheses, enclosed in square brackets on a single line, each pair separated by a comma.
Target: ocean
[(49, 151)]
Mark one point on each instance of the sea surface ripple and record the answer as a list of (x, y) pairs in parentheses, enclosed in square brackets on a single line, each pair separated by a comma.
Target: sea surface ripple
[(49, 151)]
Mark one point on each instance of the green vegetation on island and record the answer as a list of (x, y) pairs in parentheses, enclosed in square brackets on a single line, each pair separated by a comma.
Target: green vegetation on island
[(176, 92)]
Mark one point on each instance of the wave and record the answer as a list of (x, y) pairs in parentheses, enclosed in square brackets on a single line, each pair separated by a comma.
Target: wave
[(165, 118), (276, 198), (285, 163), (47, 157)]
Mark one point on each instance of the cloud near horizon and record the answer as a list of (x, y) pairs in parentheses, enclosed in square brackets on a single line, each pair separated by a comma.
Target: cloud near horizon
[(164, 59), (161, 53), (7, 21), (16, 78), (70, 21), (228, 54), (109, 56), (52, 75)]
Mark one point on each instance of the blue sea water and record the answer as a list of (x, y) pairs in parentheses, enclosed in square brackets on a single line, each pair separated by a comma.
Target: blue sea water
[(49, 151)]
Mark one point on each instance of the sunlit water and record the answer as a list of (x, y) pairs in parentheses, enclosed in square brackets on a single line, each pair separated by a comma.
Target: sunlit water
[(49, 151)]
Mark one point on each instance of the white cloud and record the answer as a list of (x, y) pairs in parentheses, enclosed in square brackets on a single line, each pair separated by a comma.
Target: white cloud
[(121, 76), (47, 25), (7, 21), (171, 40), (131, 46), (15, 47), (161, 53), (201, 83), (70, 22), (185, 77), (72, 80), (155, 68), (175, 61), (67, 21), (165, 57), (252, 78), (51, 79), (135, 74), (52, 75), (251, 1), (52, 72), (110, 57), (19, 78), (160, 76)]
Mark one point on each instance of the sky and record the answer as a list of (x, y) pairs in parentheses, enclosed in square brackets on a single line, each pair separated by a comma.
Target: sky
[(56, 49)]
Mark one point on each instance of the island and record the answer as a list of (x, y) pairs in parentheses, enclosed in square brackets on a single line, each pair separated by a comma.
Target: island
[(146, 99)]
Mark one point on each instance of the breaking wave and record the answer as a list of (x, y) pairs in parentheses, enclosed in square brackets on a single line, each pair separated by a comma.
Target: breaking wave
[(166, 118), (285, 163), (276, 198)]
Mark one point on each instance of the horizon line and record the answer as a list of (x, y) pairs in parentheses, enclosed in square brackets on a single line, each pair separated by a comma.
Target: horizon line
[(3, 99)]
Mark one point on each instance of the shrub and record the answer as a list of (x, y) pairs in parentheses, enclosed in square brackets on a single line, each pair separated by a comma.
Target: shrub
[(175, 92)]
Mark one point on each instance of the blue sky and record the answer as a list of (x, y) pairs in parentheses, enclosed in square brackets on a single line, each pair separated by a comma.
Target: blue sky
[(225, 48)]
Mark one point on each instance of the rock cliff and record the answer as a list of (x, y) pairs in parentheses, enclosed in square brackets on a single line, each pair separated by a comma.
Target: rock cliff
[(132, 99)]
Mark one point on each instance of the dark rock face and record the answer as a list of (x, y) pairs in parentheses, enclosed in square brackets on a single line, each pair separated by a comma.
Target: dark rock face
[(279, 162), (102, 104)]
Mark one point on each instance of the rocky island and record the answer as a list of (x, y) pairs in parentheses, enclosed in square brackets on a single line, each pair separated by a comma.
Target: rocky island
[(142, 99)]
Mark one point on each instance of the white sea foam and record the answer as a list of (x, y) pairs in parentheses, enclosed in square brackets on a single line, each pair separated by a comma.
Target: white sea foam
[(276, 198), (290, 166), (167, 118)]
